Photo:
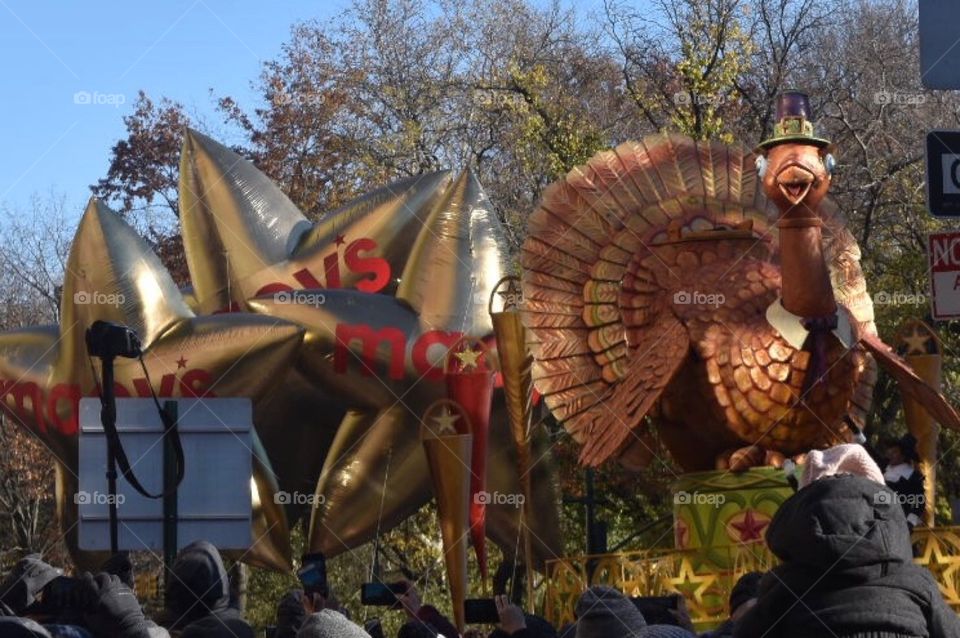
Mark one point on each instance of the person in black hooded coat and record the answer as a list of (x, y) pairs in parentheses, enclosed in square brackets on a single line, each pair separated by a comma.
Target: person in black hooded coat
[(198, 596), (847, 569)]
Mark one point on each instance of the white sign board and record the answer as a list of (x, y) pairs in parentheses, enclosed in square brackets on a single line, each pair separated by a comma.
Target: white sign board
[(940, 44), (944, 255), (213, 501)]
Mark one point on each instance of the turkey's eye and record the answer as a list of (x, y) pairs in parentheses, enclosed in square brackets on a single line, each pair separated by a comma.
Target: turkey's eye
[(830, 163), (761, 165)]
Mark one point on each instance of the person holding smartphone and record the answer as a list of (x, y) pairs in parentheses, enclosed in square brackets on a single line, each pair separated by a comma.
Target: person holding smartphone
[(313, 578), (421, 614)]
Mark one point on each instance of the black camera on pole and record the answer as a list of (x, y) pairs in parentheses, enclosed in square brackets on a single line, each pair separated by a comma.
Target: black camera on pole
[(107, 340)]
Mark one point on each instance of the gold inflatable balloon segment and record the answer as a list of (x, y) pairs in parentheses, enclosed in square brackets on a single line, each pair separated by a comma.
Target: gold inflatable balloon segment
[(113, 275), (337, 329), (449, 456)]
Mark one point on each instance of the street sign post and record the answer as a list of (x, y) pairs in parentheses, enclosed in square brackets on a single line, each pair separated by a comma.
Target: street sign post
[(943, 251), (943, 173), (213, 502), (939, 44)]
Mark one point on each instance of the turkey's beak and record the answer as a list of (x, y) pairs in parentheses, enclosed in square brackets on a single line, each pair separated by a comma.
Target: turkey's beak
[(794, 182)]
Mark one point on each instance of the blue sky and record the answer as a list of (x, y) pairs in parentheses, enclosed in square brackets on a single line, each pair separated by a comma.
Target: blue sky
[(107, 51), (72, 71)]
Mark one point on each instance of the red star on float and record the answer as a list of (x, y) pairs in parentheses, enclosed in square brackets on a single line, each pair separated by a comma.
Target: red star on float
[(340, 240), (750, 527), (181, 363)]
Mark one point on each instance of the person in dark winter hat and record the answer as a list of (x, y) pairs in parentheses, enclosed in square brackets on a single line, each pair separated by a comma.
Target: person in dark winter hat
[(119, 565), (290, 614), (846, 569), (743, 597), (744, 592), (902, 476), (110, 608), (22, 586), (330, 624), (11, 627), (604, 612), (198, 596)]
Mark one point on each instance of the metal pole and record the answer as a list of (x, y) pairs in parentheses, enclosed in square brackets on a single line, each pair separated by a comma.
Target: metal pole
[(170, 513), (590, 504), (108, 418)]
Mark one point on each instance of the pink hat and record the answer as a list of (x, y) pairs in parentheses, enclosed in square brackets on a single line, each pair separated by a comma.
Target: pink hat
[(849, 458)]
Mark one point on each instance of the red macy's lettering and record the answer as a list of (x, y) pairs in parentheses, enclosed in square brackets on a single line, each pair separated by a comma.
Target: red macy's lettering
[(356, 260), (371, 340), (58, 408)]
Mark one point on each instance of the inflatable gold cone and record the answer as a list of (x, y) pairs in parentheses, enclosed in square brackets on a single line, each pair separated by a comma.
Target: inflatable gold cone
[(515, 363), (448, 454), (921, 348)]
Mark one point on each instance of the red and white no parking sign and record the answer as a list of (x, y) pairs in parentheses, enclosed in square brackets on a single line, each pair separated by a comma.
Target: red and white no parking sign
[(943, 250)]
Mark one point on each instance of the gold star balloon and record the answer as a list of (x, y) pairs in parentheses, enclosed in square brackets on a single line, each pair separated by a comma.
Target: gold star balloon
[(384, 356), (243, 237), (112, 275)]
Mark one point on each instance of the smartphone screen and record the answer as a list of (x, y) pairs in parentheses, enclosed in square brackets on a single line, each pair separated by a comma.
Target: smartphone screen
[(479, 611), (313, 573)]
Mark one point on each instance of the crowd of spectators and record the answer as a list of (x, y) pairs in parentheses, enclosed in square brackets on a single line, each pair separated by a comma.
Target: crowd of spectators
[(846, 570)]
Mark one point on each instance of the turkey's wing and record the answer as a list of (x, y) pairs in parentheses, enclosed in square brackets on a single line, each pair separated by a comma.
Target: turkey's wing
[(653, 362), (932, 401)]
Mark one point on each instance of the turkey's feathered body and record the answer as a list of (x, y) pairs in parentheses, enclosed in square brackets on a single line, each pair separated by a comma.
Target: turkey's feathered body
[(624, 265), (748, 376)]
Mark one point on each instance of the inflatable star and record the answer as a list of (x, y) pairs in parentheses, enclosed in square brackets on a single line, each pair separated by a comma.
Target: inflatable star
[(112, 275), (383, 357), (243, 237), (444, 250)]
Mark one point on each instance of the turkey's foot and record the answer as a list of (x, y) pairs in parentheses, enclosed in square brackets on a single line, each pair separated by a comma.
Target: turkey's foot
[(744, 458)]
